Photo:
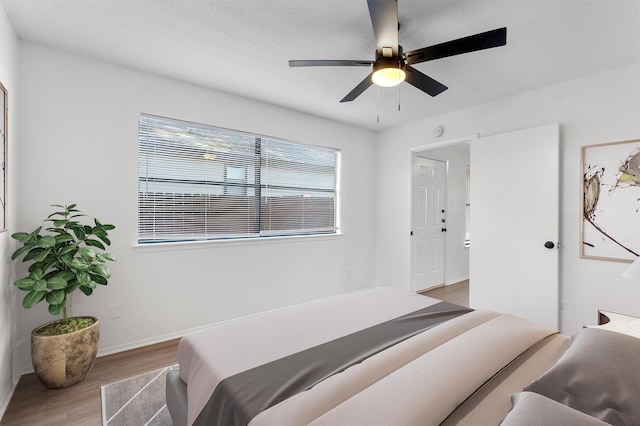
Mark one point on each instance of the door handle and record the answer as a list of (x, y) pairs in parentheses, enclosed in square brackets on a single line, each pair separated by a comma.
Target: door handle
[(549, 245)]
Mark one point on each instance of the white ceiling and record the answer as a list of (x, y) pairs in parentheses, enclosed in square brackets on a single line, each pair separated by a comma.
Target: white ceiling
[(243, 46)]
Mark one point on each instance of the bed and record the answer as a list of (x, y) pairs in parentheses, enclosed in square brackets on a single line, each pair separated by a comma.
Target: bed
[(385, 357)]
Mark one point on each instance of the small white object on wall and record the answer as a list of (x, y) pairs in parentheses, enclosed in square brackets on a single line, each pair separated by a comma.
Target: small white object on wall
[(633, 271)]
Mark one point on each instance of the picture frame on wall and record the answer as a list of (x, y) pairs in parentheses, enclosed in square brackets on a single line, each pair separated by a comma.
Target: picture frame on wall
[(610, 227), (3, 157)]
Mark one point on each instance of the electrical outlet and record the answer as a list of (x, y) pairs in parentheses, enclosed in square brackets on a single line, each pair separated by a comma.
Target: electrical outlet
[(114, 310)]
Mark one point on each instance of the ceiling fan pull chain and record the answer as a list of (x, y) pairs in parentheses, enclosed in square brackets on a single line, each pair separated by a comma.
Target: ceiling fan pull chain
[(398, 98), (378, 113)]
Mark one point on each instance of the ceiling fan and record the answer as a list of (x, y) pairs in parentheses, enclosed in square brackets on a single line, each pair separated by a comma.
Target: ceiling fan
[(392, 66)]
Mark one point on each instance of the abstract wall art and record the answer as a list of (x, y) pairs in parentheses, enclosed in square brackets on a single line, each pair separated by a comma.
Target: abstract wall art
[(611, 201)]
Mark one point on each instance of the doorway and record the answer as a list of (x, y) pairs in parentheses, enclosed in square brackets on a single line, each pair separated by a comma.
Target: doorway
[(439, 215)]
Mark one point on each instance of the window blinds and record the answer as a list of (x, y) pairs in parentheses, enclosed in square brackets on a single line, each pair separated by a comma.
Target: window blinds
[(198, 182)]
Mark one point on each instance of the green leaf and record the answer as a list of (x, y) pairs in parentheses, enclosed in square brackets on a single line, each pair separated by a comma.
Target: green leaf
[(66, 259), (23, 237), (32, 298), (95, 243), (86, 290), (25, 284), (108, 227), (63, 238), (46, 242), (65, 275), (79, 232), (56, 297), (43, 255), (87, 253), (56, 283), (68, 249), (40, 285), (57, 230), (83, 278), (35, 266), (36, 274), (56, 309), (101, 270), (60, 223), (52, 263), (33, 254), (71, 287), (20, 252), (106, 256), (99, 280), (79, 264), (35, 232)]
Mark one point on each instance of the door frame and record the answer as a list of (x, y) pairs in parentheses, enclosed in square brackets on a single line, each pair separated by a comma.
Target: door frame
[(423, 149)]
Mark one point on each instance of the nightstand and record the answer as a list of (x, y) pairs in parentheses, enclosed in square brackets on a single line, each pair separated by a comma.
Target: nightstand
[(620, 323)]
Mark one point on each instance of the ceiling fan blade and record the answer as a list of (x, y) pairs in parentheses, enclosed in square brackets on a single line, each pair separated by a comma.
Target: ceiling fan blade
[(330, 63), (384, 18), (358, 90), (486, 40), (423, 82)]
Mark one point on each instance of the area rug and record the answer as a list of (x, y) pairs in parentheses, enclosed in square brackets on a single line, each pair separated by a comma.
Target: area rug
[(137, 401)]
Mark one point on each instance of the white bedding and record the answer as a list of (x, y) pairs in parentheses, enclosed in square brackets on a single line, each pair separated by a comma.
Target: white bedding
[(418, 381)]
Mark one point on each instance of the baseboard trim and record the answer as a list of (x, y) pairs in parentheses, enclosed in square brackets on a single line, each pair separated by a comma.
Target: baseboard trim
[(179, 334), (110, 350), (4, 404), (457, 280)]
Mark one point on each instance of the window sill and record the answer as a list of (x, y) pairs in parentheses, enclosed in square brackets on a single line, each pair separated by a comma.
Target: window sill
[(207, 244)]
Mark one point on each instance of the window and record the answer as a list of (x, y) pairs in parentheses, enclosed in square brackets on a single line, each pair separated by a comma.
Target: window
[(198, 182)]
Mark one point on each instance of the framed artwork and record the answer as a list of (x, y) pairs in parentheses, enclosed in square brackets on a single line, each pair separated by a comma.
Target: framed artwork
[(3, 158), (611, 201)]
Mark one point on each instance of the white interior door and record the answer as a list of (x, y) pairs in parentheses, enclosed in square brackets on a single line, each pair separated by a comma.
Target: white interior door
[(428, 215), (514, 212)]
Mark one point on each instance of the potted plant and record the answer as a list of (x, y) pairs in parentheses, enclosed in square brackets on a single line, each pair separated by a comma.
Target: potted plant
[(68, 257)]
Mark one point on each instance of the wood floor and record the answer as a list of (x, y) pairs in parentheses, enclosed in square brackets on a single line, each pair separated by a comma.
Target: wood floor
[(80, 405), (457, 293)]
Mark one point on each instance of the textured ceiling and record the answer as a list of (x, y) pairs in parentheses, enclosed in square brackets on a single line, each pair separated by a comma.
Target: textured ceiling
[(242, 46)]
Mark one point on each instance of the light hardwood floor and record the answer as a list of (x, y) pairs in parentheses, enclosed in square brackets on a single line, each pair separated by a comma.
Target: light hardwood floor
[(80, 405), (457, 293)]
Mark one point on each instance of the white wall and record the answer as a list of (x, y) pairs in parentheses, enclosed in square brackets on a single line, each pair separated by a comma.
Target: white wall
[(456, 266), (594, 109), (78, 127), (9, 79)]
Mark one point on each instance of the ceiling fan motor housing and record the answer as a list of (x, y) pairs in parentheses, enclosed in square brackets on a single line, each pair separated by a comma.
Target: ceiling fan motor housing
[(388, 61)]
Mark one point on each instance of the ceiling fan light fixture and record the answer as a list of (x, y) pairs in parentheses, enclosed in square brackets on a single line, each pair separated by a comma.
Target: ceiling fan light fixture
[(388, 72), (388, 77)]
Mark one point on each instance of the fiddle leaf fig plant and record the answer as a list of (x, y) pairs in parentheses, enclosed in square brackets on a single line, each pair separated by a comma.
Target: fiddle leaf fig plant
[(70, 256)]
